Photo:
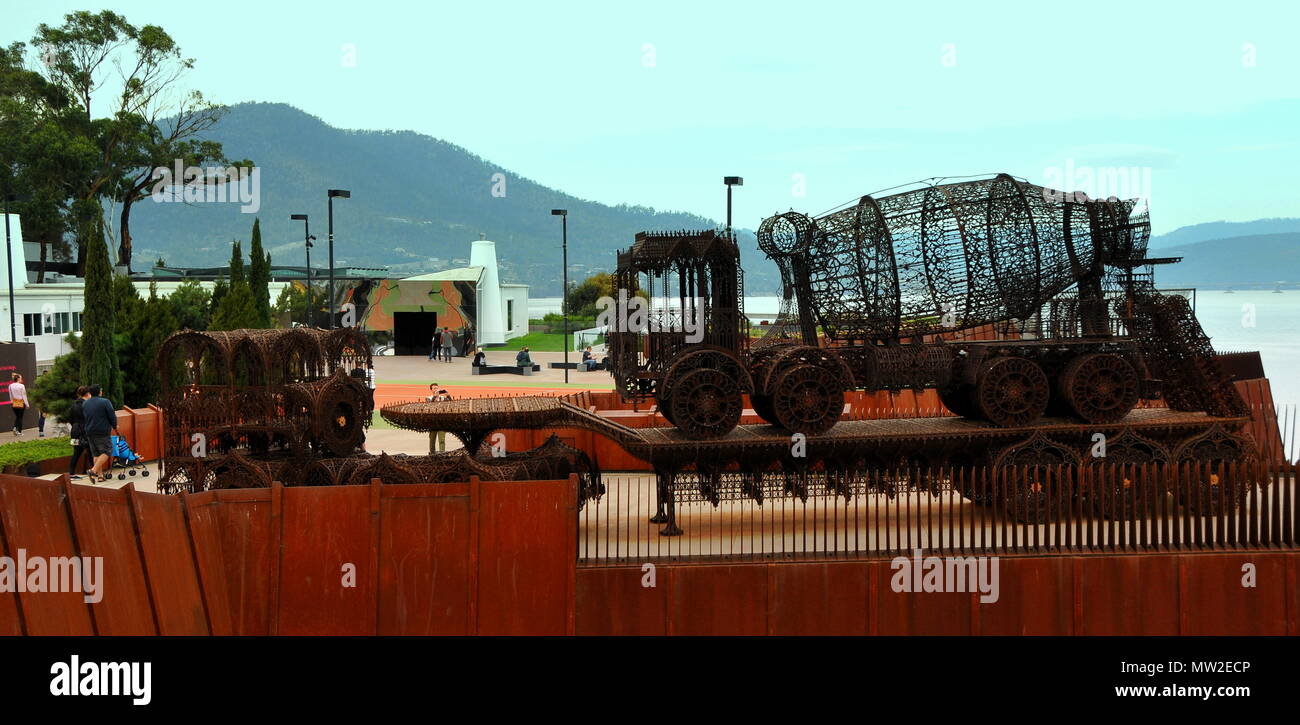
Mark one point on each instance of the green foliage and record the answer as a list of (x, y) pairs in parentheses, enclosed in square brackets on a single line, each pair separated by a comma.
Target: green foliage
[(99, 362), (144, 324), (237, 274), (220, 289), (290, 306), (191, 305), (236, 311), (259, 276), (20, 453), (53, 392), (581, 298)]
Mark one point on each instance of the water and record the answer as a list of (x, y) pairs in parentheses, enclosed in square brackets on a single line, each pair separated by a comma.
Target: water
[(1226, 316)]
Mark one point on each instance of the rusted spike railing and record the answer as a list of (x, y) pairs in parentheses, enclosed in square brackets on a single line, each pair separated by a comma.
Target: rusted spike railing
[(871, 512)]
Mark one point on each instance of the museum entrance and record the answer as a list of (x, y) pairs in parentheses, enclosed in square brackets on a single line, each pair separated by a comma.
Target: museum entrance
[(413, 332)]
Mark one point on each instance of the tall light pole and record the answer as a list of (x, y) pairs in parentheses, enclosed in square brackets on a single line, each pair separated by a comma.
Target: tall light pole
[(342, 194), (9, 265), (563, 214), (731, 181), (306, 238)]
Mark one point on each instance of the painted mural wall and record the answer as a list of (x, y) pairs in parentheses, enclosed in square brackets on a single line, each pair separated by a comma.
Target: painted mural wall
[(378, 300)]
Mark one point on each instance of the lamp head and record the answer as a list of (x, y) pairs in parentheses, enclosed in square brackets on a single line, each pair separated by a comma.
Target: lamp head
[(298, 217), (733, 181), (339, 193)]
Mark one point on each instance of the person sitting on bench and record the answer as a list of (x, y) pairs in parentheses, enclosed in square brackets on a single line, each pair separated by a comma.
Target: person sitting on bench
[(480, 360), (589, 360), (522, 359)]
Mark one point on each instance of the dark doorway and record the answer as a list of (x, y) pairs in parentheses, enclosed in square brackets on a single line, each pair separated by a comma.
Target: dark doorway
[(413, 332)]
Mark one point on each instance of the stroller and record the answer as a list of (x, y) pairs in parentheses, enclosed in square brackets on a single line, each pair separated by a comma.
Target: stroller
[(125, 458)]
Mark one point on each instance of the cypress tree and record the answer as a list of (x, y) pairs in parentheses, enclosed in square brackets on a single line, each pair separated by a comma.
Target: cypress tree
[(219, 290), (98, 355), (237, 264), (259, 276), (236, 311)]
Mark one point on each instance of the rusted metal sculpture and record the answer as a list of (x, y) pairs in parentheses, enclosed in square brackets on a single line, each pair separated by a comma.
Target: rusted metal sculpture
[(258, 395), (1014, 301)]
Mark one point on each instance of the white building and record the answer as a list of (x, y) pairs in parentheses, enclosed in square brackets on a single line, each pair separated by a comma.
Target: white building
[(44, 313)]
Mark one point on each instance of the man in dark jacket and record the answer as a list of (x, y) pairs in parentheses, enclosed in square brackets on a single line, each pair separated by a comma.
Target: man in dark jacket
[(100, 424), (78, 420)]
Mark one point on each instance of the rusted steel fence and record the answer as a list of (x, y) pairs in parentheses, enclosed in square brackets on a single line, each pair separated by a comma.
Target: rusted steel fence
[(880, 513)]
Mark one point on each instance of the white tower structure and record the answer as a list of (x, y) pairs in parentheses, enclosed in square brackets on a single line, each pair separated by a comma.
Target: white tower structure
[(491, 323)]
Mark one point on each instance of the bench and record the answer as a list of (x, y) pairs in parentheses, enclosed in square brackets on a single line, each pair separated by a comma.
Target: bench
[(504, 369), (577, 366)]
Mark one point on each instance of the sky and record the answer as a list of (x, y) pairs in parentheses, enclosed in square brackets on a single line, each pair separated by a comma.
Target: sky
[(1194, 106)]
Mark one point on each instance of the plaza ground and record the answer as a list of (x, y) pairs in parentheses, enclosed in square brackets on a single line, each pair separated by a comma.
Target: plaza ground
[(407, 377)]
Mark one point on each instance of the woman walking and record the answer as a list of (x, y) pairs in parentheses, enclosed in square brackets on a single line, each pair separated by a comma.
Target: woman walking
[(18, 399), (78, 420)]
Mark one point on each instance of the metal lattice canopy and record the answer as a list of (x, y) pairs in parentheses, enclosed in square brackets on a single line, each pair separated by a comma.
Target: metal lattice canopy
[(966, 253)]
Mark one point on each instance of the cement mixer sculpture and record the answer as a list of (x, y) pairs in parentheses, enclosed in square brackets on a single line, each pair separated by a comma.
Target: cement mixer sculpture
[(1014, 301)]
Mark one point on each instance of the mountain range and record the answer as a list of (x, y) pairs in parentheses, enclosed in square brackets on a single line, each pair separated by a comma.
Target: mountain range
[(417, 203)]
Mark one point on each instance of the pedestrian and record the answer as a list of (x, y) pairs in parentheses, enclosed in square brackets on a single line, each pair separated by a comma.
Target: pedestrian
[(18, 399), (589, 360), (480, 360), (435, 344), (437, 438), (523, 359), (447, 341), (78, 420), (100, 426), (40, 414)]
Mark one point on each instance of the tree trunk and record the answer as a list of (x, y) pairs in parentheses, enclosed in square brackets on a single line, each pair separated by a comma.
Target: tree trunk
[(124, 246)]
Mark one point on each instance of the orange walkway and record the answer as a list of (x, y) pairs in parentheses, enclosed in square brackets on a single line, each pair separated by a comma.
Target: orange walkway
[(386, 393)]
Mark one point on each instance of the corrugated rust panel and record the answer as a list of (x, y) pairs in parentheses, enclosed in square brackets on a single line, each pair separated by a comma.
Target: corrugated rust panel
[(1216, 602), (36, 522), (913, 612), (170, 564), (424, 560), (526, 557), (249, 546), (105, 528), (819, 599), (1035, 596), (617, 602), (717, 600), (10, 618), (204, 520), (325, 530), (1127, 595), (145, 443)]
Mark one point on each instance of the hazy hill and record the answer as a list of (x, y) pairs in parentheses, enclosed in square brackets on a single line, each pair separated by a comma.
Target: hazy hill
[(417, 203), (1222, 230), (1261, 260)]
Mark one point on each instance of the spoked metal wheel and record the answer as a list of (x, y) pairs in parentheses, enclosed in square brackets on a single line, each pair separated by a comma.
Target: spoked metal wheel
[(1011, 391), (807, 400), (1099, 387), (705, 404)]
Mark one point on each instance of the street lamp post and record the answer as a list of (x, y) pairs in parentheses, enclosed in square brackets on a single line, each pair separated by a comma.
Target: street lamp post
[(9, 265), (731, 181), (563, 214), (342, 194), (306, 237)]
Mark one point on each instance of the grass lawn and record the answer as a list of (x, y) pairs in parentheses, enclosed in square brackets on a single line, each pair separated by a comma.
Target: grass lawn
[(536, 341)]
